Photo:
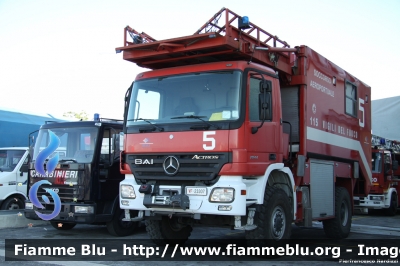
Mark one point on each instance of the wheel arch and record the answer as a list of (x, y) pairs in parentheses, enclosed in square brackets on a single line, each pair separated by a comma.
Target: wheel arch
[(15, 194), (389, 194), (110, 206), (279, 176), (348, 185)]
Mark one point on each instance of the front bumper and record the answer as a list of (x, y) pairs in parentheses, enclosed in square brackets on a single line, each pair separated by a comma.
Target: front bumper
[(180, 203), (67, 213)]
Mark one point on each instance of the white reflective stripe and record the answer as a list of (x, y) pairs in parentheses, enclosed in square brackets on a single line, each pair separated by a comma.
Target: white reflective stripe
[(339, 141)]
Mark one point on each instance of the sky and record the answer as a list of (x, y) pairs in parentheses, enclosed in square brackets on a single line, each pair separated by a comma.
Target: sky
[(58, 56)]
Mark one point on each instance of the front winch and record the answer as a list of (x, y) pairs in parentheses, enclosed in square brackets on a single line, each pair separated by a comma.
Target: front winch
[(169, 198)]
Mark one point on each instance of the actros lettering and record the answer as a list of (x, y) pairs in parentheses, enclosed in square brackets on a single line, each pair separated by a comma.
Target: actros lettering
[(205, 157)]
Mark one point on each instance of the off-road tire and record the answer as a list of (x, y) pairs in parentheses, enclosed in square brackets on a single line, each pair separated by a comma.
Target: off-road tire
[(65, 226), (167, 231), (391, 211), (13, 203), (273, 218), (339, 227), (117, 227)]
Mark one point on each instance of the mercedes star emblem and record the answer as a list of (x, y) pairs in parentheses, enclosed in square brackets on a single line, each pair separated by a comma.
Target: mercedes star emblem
[(171, 165)]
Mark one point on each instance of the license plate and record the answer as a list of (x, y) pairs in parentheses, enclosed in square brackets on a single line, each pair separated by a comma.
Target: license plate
[(196, 191)]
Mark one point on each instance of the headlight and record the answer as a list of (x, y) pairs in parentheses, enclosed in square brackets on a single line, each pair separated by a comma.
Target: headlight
[(84, 209), (29, 206), (127, 191), (377, 198), (222, 195)]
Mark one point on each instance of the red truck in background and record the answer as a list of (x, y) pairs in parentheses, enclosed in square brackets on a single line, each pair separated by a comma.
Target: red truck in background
[(233, 127), (383, 195)]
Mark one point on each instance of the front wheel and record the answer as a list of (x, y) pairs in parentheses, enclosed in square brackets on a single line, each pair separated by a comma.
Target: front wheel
[(273, 219), (62, 226), (168, 230), (13, 203), (339, 227), (391, 211), (117, 227)]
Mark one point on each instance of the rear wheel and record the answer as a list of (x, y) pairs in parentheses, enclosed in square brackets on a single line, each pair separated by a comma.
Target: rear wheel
[(62, 226), (339, 227), (168, 230), (274, 219), (117, 227)]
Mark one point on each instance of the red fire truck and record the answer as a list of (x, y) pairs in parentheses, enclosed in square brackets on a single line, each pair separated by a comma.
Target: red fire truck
[(383, 195), (233, 127)]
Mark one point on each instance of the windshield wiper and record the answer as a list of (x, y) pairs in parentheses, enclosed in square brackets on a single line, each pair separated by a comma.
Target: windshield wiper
[(161, 129), (68, 160), (197, 117)]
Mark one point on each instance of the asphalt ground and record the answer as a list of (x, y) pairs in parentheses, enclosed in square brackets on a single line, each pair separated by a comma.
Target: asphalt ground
[(16, 219)]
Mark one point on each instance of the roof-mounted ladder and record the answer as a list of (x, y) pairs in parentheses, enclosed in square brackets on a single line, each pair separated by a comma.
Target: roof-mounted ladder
[(383, 143), (217, 40)]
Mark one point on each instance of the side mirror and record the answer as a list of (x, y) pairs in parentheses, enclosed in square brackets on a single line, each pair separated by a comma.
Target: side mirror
[(265, 86), (395, 165), (126, 102), (264, 106), (387, 167), (264, 100), (118, 142), (30, 151), (24, 169)]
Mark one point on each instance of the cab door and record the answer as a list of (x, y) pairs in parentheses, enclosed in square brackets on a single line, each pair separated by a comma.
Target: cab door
[(263, 122), (22, 174), (109, 169)]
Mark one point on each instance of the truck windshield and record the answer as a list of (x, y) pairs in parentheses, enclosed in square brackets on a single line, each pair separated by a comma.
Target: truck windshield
[(77, 144), (9, 159), (211, 96)]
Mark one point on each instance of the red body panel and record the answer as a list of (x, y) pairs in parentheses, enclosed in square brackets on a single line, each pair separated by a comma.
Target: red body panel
[(173, 142), (328, 129)]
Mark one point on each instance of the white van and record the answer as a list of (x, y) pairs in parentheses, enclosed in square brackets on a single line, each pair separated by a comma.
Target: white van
[(13, 177)]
